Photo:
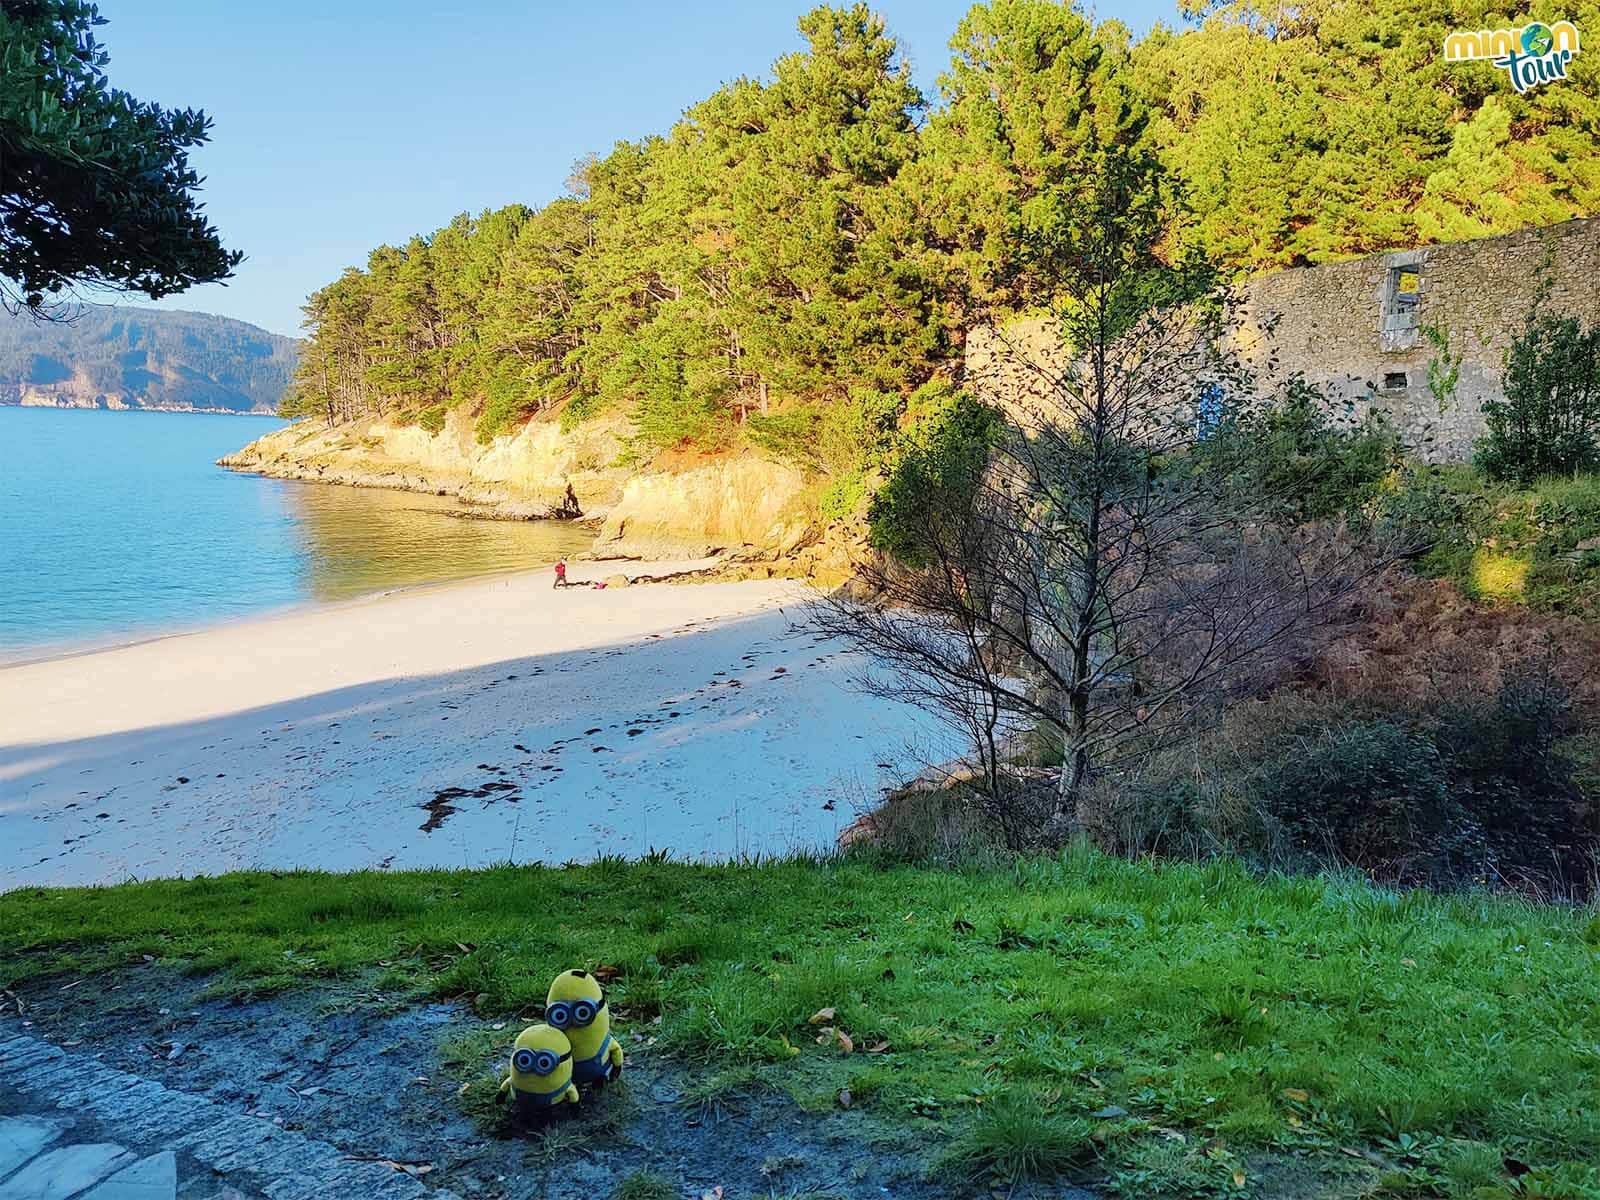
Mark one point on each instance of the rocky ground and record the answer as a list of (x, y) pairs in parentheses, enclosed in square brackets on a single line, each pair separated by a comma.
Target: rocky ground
[(147, 1090)]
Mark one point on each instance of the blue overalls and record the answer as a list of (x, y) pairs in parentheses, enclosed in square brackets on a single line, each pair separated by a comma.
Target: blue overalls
[(538, 1100), (596, 1069)]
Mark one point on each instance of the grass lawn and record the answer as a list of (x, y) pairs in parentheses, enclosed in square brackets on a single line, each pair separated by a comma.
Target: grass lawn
[(1064, 1015)]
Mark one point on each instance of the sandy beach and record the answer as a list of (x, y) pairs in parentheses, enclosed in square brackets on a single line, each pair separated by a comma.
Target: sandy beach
[(453, 726)]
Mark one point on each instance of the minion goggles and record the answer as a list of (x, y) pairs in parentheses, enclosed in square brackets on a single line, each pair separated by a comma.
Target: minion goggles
[(574, 1014), (538, 1062)]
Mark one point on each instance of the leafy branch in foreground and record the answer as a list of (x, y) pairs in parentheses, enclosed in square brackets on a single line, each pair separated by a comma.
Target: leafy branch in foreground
[(95, 185)]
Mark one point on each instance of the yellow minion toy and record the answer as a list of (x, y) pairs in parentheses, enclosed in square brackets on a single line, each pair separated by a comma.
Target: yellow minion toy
[(576, 1005), (541, 1073)]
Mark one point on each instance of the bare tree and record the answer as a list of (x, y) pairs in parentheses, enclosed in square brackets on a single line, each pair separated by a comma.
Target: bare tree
[(1112, 560)]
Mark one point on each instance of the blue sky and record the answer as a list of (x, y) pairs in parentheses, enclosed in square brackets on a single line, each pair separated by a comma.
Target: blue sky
[(347, 123)]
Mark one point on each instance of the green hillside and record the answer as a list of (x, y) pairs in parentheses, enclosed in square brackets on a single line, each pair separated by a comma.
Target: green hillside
[(109, 356)]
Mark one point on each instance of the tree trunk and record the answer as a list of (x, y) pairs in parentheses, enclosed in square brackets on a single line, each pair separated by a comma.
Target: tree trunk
[(1074, 761)]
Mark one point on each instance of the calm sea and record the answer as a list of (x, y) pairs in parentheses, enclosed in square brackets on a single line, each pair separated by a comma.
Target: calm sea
[(116, 526)]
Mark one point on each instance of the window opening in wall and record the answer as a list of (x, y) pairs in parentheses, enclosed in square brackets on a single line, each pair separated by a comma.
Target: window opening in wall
[(1399, 318), (1394, 381), (1405, 285)]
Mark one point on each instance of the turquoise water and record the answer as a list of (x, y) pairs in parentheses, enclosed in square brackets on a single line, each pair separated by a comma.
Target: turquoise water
[(116, 526)]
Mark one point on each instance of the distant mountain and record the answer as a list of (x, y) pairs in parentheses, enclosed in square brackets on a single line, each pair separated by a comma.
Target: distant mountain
[(115, 357)]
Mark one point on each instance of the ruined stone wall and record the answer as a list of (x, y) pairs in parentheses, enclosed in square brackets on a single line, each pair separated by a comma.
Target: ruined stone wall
[(1349, 328), (1356, 329)]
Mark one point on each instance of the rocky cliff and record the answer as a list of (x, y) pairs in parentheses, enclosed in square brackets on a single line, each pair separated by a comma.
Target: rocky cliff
[(739, 504), (538, 472)]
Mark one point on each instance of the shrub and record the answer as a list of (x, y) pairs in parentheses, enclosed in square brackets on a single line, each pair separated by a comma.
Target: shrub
[(843, 495), (1520, 790), (947, 825), (508, 397), (788, 436), (579, 408), (1478, 791), (1565, 511), (937, 465), (1373, 793), (857, 433), (1314, 462), (847, 440), (1169, 816), (1548, 421), (432, 418), (1441, 510), (1531, 545)]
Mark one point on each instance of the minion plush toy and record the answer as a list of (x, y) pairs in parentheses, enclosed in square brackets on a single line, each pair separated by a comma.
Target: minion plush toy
[(576, 1005), (540, 1082)]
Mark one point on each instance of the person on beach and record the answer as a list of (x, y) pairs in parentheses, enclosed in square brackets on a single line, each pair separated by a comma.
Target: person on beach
[(561, 572)]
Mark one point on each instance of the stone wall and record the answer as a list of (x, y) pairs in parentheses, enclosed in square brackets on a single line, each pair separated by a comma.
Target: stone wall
[(1357, 329)]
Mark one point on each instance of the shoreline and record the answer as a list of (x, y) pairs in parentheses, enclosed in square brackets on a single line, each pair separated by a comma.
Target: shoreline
[(448, 725), (472, 508), (146, 408), (50, 652), (243, 625)]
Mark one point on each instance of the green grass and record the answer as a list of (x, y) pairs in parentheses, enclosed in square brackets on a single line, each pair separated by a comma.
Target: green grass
[(1507, 544), (1015, 1138), (1007, 1004)]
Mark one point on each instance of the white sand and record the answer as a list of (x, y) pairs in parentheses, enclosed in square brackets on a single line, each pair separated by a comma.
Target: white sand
[(318, 738)]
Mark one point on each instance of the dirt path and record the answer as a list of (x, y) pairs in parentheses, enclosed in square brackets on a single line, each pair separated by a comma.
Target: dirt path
[(280, 1098)]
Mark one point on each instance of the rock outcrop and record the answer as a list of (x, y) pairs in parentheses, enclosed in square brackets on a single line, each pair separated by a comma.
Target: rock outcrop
[(725, 505), (740, 505), (536, 472)]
